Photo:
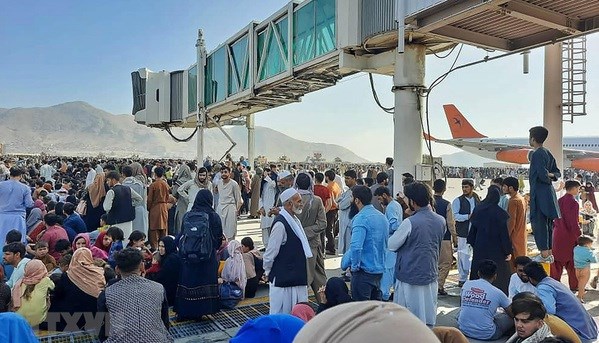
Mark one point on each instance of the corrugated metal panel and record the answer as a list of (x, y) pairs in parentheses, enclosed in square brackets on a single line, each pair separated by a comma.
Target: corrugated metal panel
[(177, 96), (498, 25), (378, 16), (581, 9)]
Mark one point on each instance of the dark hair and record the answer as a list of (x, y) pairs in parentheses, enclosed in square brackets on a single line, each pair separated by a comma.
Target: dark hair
[(468, 182), (65, 260), (351, 173), (51, 219), (136, 236), (389, 161), (382, 190), (113, 174), (13, 236), (522, 261), (109, 274), (62, 245), (382, 176), (368, 181), (16, 171), (68, 208), (202, 170), (534, 307), (115, 233), (248, 242), (104, 217), (535, 270), (511, 182), (539, 134), (128, 259), (362, 193), (487, 269), (319, 177), (330, 174), (15, 247), (572, 184), (303, 181), (159, 171), (110, 167), (439, 186), (419, 192), (41, 244), (127, 171), (50, 206), (227, 168), (584, 240)]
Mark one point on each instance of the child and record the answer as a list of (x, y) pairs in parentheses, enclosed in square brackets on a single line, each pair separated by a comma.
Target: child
[(583, 257), (136, 240), (102, 228), (41, 253), (253, 266), (63, 266), (63, 247), (117, 236)]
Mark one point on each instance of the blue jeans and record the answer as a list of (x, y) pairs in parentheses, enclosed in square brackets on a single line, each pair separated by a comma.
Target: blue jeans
[(365, 286)]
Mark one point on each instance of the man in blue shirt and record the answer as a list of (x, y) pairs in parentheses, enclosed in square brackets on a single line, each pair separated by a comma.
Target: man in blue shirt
[(394, 214), (14, 254), (73, 221), (366, 254), (560, 301), (15, 199), (480, 300)]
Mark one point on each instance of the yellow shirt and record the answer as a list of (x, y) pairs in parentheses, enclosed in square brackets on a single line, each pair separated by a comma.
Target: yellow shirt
[(36, 307)]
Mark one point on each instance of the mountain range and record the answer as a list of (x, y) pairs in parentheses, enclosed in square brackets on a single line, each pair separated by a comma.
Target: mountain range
[(79, 129)]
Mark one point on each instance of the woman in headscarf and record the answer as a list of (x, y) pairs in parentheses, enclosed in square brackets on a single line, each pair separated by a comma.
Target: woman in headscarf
[(303, 311), (134, 181), (170, 268), (255, 186), (103, 242), (183, 175), (78, 288), (590, 189), (96, 192), (16, 329), (197, 294), (82, 241), (30, 294), (490, 239), (190, 189), (36, 215), (234, 270), (334, 293)]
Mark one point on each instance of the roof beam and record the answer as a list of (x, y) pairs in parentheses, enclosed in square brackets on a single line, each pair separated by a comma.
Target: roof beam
[(537, 38), (541, 16), (475, 38), (451, 14)]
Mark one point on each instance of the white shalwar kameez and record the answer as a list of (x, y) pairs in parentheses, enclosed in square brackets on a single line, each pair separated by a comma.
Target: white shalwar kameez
[(229, 200), (267, 201)]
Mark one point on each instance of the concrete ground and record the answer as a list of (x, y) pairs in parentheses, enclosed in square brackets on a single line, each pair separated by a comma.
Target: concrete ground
[(447, 305)]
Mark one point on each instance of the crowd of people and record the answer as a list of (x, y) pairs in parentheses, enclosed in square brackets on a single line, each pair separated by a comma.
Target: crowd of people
[(98, 245)]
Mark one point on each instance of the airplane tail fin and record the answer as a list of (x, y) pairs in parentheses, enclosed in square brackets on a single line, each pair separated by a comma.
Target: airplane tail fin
[(459, 125), (428, 137)]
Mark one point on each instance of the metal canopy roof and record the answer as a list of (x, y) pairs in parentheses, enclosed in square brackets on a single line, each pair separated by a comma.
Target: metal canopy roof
[(506, 24)]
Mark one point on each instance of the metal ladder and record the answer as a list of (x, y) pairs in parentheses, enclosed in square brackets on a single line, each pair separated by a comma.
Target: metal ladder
[(574, 70)]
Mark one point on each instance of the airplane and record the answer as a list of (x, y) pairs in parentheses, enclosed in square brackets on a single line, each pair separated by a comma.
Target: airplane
[(579, 152)]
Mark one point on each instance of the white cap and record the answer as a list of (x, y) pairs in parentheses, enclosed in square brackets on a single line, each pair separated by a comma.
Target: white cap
[(288, 194), (284, 174)]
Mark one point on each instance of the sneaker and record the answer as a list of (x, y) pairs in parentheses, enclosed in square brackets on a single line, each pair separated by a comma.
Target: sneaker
[(539, 258), (594, 282)]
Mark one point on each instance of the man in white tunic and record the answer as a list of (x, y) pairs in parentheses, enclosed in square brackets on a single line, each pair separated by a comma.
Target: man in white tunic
[(286, 257), (267, 202), (417, 242), (229, 202)]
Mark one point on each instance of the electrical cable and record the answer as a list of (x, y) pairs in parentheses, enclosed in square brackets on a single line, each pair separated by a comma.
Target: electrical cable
[(181, 140), (442, 57), (376, 97)]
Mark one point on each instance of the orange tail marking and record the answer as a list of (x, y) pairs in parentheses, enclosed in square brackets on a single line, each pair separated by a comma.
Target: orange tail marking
[(428, 137), (459, 125)]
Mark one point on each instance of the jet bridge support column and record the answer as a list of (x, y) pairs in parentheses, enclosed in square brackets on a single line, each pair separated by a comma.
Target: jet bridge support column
[(408, 82), (552, 103), (250, 124)]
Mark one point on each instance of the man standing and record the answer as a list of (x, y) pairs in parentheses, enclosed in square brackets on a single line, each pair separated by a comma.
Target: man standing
[(394, 214), (118, 203), (462, 208), (14, 255), (366, 254), (382, 180), (158, 195), (560, 301), (516, 224), (285, 258), (389, 171), (268, 195), (443, 208), (314, 222), (417, 242), (344, 203), (543, 201), (15, 199), (229, 202), (332, 214), (90, 174)]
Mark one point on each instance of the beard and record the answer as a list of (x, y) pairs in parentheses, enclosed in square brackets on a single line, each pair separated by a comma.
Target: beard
[(353, 210), (298, 210)]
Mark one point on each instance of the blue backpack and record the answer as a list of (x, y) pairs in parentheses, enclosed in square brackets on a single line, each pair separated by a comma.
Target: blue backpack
[(195, 244)]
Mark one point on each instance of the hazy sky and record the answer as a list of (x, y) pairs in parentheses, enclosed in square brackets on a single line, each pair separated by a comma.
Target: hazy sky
[(57, 51)]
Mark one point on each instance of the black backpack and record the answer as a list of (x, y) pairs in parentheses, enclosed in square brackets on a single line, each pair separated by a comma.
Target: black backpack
[(195, 244)]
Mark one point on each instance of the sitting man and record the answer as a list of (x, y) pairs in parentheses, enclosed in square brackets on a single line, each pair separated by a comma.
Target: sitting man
[(478, 316), (560, 301), (529, 314), (519, 281)]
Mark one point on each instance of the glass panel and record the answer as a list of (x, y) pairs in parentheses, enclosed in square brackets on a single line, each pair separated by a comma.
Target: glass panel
[(303, 34), (260, 47), (274, 63), (325, 26), (208, 91), (192, 89), (219, 74), (283, 31), (239, 53)]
